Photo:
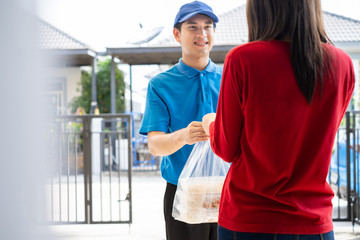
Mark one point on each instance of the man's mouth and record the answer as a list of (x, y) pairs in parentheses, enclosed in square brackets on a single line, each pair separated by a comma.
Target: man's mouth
[(201, 43)]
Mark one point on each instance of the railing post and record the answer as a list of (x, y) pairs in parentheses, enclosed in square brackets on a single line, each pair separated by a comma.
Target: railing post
[(130, 161), (353, 191), (348, 188), (87, 168)]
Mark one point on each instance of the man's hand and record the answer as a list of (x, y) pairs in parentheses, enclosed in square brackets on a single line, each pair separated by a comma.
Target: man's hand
[(194, 132), (164, 144)]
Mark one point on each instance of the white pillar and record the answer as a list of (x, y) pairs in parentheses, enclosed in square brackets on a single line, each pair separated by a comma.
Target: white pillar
[(356, 93), (22, 163), (96, 124)]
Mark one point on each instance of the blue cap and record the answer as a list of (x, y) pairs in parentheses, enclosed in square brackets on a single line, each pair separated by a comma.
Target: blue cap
[(191, 9)]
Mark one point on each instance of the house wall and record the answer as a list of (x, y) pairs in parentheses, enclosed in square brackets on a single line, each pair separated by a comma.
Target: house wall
[(68, 78)]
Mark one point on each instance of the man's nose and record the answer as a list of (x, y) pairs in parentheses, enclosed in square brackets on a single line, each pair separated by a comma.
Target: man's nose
[(202, 32)]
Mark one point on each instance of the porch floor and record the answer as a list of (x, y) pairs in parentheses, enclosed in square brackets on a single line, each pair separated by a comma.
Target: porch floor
[(148, 222)]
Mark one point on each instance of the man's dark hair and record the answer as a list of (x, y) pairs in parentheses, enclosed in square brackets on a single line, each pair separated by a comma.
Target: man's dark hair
[(178, 25)]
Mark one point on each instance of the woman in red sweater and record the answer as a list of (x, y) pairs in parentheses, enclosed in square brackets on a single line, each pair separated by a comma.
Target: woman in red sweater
[(281, 101)]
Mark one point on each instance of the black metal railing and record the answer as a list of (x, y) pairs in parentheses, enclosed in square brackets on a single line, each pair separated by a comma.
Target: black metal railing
[(92, 159), (344, 170), (90, 175)]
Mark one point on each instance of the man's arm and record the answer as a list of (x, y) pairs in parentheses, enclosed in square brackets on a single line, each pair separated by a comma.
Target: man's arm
[(162, 144)]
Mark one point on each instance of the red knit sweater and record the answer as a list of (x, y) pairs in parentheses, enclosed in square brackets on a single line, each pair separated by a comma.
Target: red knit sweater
[(279, 146)]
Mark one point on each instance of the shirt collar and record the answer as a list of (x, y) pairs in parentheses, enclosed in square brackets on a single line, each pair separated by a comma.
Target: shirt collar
[(192, 72)]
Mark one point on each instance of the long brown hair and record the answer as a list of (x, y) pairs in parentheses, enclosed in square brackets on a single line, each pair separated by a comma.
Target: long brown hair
[(301, 23)]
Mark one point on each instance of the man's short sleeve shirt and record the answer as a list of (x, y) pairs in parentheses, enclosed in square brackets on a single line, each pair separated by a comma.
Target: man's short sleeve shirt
[(174, 99)]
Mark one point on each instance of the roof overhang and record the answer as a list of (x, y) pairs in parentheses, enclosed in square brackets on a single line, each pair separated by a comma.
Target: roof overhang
[(69, 57), (161, 55), (352, 48)]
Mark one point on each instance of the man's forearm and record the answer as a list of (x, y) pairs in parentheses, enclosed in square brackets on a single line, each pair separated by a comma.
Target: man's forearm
[(161, 144)]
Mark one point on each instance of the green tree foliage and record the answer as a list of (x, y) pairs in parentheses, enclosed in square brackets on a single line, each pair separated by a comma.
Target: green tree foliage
[(103, 76)]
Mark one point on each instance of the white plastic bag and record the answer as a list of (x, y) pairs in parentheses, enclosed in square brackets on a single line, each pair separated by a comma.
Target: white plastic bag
[(197, 197)]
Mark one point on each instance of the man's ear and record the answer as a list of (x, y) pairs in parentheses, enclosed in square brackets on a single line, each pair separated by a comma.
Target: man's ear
[(176, 33)]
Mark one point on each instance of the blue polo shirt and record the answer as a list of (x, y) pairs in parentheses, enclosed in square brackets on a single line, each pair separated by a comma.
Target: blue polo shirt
[(174, 99)]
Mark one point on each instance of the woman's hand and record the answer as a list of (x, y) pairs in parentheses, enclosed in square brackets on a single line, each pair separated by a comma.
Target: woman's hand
[(206, 120)]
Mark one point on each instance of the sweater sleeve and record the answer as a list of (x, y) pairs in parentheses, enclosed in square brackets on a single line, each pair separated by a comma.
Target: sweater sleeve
[(350, 87), (225, 131)]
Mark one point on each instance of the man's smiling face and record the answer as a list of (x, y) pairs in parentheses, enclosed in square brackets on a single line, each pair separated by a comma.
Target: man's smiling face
[(196, 36)]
